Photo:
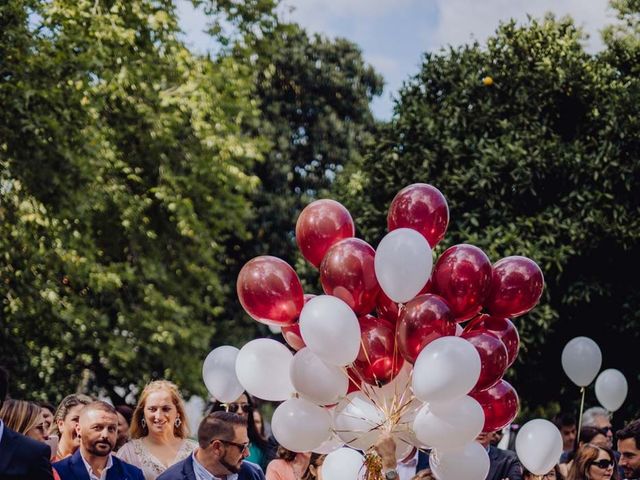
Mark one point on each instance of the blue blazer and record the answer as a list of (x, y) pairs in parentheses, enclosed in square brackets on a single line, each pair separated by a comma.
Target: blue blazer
[(23, 457), (503, 464), (184, 471), (73, 468)]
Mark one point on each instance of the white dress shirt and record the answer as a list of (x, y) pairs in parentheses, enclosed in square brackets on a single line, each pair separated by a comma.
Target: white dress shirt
[(204, 474), (93, 476)]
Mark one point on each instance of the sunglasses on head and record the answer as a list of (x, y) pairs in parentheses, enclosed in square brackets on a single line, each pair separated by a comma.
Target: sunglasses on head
[(604, 463), (235, 407)]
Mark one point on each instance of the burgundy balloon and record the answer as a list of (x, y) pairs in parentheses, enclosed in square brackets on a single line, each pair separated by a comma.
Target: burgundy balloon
[(493, 357), (503, 328), (500, 405), (378, 361), (293, 337), (388, 309), (421, 207), (462, 276), (354, 380), (320, 225), (269, 290), (516, 287), (424, 319), (347, 272)]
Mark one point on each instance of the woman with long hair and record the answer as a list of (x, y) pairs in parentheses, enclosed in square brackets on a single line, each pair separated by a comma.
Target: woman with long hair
[(553, 474), (159, 430), (593, 463), (288, 465), (25, 418), (64, 424), (314, 470), (261, 450)]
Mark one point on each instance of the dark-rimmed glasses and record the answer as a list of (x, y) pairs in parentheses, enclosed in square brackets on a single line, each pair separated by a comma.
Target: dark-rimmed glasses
[(235, 407), (241, 446), (603, 464)]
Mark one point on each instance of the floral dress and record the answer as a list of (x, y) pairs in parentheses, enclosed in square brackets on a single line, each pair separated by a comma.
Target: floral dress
[(135, 453)]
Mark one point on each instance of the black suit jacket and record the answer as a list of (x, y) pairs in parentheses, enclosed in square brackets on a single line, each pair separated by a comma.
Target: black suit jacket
[(503, 464), (73, 468), (184, 471), (23, 458)]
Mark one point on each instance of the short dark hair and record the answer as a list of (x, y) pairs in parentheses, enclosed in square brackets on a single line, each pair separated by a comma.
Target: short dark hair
[(4, 384), (126, 411), (99, 405), (48, 406), (564, 420), (631, 430), (218, 425)]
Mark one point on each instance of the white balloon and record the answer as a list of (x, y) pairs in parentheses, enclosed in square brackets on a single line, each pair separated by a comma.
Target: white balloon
[(445, 369), (219, 374), (449, 425), (300, 426), (539, 446), (403, 264), (343, 464), (611, 389), (581, 360), (262, 367), (469, 462), (357, 421), (331, 445), (316, 380), (330, 329)]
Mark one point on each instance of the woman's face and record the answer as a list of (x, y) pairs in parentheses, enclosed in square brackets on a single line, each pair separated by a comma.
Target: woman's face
[(38, 432), (159, 412), (550, 475), (67, 426), (257, 419), (240, 406), (600, 440), (601, 468), (48, 419), (123, 430)]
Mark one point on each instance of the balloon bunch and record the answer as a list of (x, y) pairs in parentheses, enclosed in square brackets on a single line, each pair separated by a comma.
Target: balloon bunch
[(384, 349)]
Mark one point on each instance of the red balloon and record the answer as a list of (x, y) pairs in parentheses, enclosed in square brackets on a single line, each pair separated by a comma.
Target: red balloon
[(421, 207), (347, 272), (516, 287), (269, 290), (379, 360), (462, 276), (291, 333), (354, 380), (493, 357), (320, 225), (424, 319), (503, 328), (388, 309), (500, 404)]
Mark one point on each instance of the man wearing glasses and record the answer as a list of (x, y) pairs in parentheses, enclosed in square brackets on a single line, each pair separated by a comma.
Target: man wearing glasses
[(599, 418), (223, 446)]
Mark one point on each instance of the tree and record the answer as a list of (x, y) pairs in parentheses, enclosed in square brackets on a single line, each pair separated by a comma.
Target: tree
[(542, 161), (125, 177)]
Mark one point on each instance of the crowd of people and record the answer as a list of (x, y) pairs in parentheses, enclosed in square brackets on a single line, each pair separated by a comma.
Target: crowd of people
[(88, 439)]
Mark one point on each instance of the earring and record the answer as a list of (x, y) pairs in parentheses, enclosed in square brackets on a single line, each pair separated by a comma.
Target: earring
[(143, 422), (178, 422)]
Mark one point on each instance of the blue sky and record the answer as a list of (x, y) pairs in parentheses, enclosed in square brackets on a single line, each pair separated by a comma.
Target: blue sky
[(394, 34)]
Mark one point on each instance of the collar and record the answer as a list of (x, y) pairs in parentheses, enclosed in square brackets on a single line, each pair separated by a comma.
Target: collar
[(90, 470), (204, 474), (1, 429), (413, 461)]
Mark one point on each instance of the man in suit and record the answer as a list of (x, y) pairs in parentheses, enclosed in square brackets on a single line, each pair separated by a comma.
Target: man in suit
[(223, 446), (21, 457), (503, 464), (629, 448), (98, 431)]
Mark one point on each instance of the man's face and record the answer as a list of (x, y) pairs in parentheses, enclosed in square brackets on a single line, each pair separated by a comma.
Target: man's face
[(604, 424), (568, 433), (98, 432), (235, 451), (629, 458)]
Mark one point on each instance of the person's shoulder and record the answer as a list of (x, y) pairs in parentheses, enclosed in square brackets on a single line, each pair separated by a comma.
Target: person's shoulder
[(27, 447), (174, 471), (128, 467), (250, 470)]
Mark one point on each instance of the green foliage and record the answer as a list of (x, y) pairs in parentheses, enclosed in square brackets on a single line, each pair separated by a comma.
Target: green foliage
[(542, 163), (125, 176)]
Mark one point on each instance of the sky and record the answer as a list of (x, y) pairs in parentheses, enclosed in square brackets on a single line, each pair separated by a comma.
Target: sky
[(394, 34)]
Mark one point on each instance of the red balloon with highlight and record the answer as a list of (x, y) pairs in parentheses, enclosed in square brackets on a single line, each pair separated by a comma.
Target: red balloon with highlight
[(493, 357), (462, 276), (347, 272), (516, 287), (424, 319), (500, 404), (269, 290), (379, 361), (421, 207), (320, 225), (503, 328), (388, 309)]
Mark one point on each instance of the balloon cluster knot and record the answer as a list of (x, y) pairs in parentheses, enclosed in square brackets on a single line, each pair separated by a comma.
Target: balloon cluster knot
[(373, 466)]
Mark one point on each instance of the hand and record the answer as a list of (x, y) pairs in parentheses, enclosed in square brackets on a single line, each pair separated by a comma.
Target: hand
[(424, 474), (386, 448)]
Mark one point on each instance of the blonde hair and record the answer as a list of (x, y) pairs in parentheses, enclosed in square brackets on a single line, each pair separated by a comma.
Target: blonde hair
[(138, 431), (19, 415), (67, 404)]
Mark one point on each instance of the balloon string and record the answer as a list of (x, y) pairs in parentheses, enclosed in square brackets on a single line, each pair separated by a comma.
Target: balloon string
[(366, 354), (582, 390)]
